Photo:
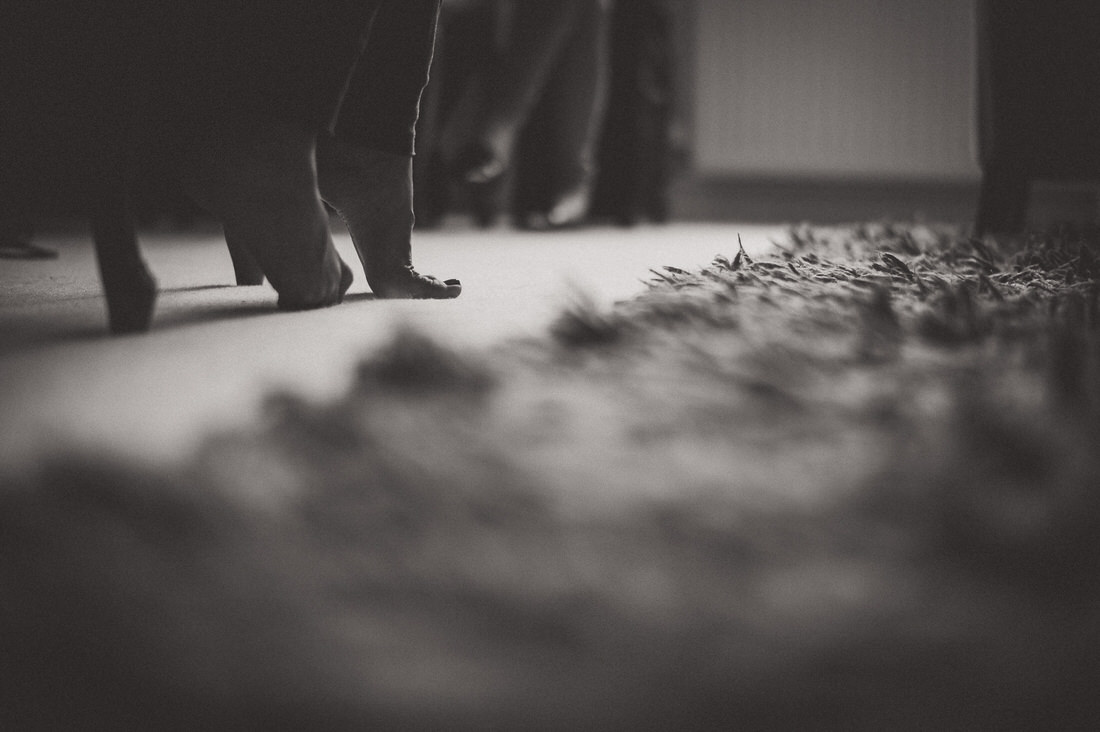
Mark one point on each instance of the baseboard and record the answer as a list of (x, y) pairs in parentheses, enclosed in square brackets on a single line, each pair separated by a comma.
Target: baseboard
[(719, 198), (731, 198)]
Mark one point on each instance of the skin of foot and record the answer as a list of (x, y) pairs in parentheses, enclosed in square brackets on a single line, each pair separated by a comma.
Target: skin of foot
[(372, 191), (257, 175)]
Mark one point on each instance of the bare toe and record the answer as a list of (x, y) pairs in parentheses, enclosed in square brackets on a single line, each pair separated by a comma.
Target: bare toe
[(411, 285)]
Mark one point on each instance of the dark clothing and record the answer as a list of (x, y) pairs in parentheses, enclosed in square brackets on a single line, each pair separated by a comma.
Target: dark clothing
[(352, 66), (635, 155), (1040, 76), (184, 65), (533, 108), (232, 97), (463, 51), (1039, 101), (69, 85), (288, 59), (557, 145), (380, 107)]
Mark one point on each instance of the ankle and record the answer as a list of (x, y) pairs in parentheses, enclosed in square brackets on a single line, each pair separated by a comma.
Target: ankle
[(372, 191)]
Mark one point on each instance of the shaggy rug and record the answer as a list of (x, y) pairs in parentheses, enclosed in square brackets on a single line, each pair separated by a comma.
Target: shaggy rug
[(851, 485)]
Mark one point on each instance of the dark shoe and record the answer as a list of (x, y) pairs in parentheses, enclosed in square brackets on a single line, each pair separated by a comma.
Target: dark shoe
[(569, 211), (477, 165), (481, 176)]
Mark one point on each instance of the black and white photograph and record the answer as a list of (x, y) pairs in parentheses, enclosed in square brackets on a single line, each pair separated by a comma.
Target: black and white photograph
[(549, 365)]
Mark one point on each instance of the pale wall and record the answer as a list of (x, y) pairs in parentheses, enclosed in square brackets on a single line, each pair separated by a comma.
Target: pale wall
[(871, 89)]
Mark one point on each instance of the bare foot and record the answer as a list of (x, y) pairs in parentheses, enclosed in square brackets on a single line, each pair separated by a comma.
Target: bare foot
[(408, 284), (326, 297), (257, 175), (372, 191)]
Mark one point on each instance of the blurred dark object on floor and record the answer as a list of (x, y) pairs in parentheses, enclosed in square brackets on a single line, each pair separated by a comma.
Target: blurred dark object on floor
[(16, 240), (1039, 102), (635, 153)]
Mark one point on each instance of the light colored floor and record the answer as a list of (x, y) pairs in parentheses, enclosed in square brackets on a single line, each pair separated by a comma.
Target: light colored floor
[(215, 350)]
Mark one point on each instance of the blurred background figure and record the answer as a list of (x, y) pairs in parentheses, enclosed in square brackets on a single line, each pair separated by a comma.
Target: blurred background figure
[(530, 113), (465, 46), (774, 110), (635, 150), (1039, 102)]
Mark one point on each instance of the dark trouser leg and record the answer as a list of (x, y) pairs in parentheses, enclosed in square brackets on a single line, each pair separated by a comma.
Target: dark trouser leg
[(257, 176), (365, 169), (460, 54), (513, 87), (573, 106), (381, 103)]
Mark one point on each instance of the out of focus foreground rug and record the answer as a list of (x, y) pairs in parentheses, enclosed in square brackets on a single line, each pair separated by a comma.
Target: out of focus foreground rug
[(852, 485)]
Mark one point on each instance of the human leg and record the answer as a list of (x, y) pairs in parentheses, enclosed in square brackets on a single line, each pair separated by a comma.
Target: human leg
[(461, 53), (372, 190), (365, 167), (509, 92), (250, 89), (257, 176), (571, 112)]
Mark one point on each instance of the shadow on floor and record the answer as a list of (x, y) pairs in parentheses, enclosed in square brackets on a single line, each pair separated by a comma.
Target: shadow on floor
[(72, 320)]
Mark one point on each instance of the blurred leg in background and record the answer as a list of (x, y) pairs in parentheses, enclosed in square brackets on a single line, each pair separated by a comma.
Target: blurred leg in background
[(635, 152), (1039, 102), (556, 155), (550, 70), (464, 49)]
